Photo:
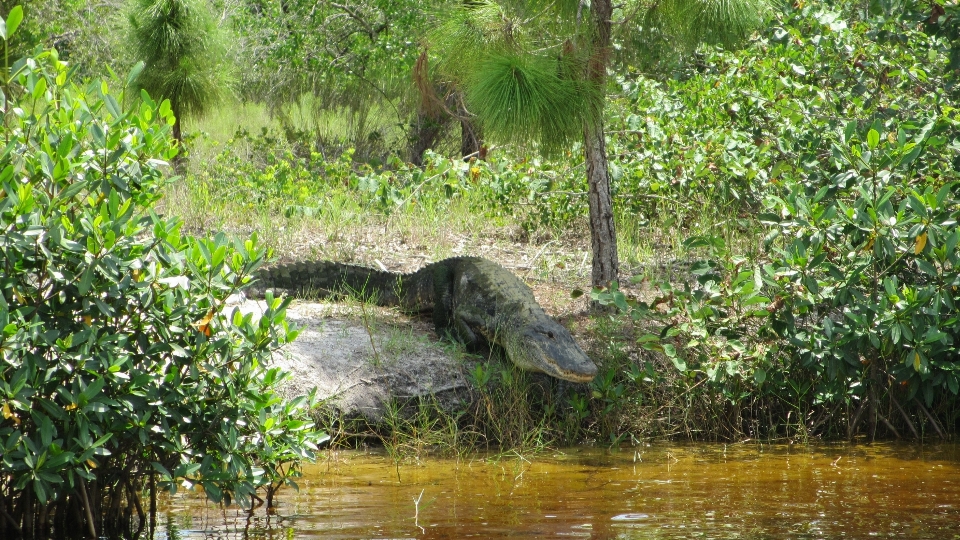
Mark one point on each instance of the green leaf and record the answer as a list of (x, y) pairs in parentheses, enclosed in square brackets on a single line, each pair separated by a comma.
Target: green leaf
[(98, 135), (157, 466), (873, 138), (759, 375), (912, 154), (40, 488), (40, 88), (679, 363), (933, 335), (46, 164), (895, 333), (13, 22), (768, 218), (917, 205), (68, 192), (145, 97), (927, 267), (889, 287), (135, 72), (849, 131), (85, 281), (112, 106), (213, 492)]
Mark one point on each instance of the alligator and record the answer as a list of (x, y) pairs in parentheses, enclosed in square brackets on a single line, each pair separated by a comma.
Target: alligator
[(472, 299)]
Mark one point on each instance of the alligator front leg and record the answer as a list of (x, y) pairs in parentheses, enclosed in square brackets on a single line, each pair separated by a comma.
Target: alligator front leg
[(468, 324), (443, 317)]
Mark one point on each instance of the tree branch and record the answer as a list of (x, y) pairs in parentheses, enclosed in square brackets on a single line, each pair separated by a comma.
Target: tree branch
[(355, 16)]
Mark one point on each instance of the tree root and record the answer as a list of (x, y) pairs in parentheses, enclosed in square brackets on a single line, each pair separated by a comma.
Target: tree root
[(933, 421), (906, 418), (889, 426), (91, 525)]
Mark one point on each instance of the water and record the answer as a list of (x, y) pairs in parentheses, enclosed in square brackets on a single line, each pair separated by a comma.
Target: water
[(662, 491)]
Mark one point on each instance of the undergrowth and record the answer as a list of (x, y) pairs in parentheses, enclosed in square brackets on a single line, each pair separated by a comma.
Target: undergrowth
[(758, 197)]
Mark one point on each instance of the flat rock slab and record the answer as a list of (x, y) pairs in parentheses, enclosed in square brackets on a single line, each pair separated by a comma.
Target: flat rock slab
[(362, 361)]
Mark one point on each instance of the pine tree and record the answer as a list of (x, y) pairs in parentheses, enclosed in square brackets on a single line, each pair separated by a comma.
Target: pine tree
[(184, 60), (536, 71)]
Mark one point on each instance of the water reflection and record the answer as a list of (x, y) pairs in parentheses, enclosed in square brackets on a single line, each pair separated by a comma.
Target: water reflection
[(691, 491)]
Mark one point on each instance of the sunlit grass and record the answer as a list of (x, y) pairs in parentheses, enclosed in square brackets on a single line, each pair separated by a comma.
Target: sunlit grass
[(222, 123)]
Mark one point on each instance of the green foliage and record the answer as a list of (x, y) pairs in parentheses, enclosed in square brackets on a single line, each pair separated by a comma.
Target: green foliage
[(519, 79), (853, 297), (835, 106), (312, 60), (121, 360), (86, 34), (725, 129), (526, 71), (845, 314), (342, 53), (474, 30), (688, 23), (871, 257), (276, 176)]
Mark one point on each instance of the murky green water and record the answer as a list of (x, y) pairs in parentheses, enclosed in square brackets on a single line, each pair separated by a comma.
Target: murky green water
[(691, 491)]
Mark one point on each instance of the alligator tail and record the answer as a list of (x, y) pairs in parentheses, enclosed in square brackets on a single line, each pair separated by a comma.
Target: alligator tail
[(325, 279)]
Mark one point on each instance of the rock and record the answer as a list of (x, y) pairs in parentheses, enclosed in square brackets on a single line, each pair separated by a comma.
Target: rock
[(358, 376)]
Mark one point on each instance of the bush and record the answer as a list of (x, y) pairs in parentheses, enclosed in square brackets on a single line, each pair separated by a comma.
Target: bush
[(122, 365), (835, 136), (852, 305)]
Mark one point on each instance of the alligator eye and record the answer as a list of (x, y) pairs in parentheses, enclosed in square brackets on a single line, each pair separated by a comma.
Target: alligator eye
[(550, 335)]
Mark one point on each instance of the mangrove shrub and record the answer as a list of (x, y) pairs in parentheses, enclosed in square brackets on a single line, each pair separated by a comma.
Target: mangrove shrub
[(843, 321), (122, 368)]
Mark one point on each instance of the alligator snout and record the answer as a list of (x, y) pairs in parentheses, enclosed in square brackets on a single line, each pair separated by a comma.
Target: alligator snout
[(552, 350)]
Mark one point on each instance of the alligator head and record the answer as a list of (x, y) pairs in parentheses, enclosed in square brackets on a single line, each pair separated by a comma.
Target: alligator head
[(544, 345)]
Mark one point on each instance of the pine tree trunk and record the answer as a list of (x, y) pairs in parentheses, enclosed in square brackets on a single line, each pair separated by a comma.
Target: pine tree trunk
[(603, 234)]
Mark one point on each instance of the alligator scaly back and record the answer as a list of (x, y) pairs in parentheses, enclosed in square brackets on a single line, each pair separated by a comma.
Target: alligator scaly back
[(473, 299)]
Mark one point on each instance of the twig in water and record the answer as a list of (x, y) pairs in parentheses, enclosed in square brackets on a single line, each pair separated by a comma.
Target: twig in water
[(416, 512)]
